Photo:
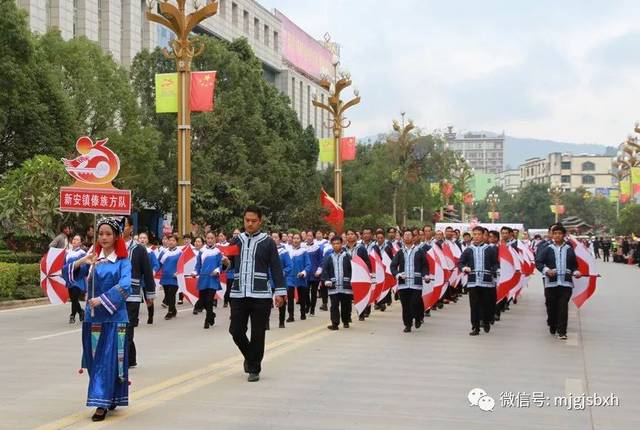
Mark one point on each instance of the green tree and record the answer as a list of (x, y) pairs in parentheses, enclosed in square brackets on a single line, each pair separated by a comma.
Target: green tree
[(34, 112), (629, 221), (29, 197)]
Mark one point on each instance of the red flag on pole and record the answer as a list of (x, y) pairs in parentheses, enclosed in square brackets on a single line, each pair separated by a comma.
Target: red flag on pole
[(203, 85), (348, 148), (336, 213)]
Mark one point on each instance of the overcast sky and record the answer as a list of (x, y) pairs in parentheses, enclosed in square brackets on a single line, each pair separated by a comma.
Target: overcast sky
[(562, 70)]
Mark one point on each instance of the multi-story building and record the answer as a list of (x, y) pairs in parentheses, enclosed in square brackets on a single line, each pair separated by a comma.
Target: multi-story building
[(483, 153), (292, 60), (509, 180), (480, 184), (569, 171)]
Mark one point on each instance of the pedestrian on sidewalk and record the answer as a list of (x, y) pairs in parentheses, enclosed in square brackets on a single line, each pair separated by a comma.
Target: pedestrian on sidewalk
[(250, 297)]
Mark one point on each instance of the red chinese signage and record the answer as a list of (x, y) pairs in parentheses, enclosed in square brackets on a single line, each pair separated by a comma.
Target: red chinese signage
[(95, 200), (94, 170)]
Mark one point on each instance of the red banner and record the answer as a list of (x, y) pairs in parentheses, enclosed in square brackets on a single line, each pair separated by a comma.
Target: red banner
[(95, 200), (336, 213), (203, 85), (348, 148), (446, 188)]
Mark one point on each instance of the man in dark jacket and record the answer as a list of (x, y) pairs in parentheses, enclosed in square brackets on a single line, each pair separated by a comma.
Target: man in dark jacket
[(559, 266)]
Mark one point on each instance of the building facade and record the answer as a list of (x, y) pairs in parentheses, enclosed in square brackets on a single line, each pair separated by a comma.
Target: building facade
[(509, 180), (483, 153), (292, 60), (480, 184), (569, 171)]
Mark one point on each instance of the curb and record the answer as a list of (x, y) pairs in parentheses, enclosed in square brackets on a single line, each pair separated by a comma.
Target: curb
[(12, 304)]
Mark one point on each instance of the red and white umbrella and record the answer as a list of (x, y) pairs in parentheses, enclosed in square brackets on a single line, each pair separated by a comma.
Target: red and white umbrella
[(187, 283), (389, 280), (360, 283), (378, 269), (434, 290), (509, 274), (585, 286), (51, 280)]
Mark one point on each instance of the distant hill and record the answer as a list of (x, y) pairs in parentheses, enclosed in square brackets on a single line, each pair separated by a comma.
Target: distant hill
[(518, 149)]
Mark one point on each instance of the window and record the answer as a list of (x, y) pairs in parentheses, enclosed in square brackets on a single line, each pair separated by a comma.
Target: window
[(266, 35), (75, 18), (47, 11), (322, 116), (234, 14), (565, 179), (588, 166), (301, 102), (565, 165), (276, 41), (245, 21), (308, 104), (256, 28), (588, 179), (293, 92), (99, 22)]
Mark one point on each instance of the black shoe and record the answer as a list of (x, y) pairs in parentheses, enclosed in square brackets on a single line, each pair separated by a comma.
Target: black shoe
[(99, 417), (226, 305), (281, 325), (81, 316), (290, 319), (562, 336), (497, 317), (361, 318), (418, 324), (131, 366), (169, 315), (150, 320), (253, 377), (492, 321), (181, 302), (323, 308), (440, 305), (346, 325), (515, 301), (407, 330), (333, 327), (112, 407), (383, 307), (246, 366), (486, 328), (72, 319), (312, 312), (206, 324), (427, 313), (195, 311), (303, 317), (474, 332), (552, 330)]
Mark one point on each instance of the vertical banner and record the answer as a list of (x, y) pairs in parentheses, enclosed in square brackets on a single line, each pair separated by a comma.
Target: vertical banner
[(625, 190), (203, 85), (635, 175), (166, 92), (327, 150), (348, 148)]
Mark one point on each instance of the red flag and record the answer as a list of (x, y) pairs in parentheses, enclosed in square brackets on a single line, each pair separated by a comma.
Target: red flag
[(203, 85), (188, 284), (336, 213), (229, 250), (348, 148)]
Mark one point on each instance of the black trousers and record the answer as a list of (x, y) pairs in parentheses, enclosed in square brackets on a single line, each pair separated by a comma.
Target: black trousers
[(557, 303), (133, 310), (482, 301), (605, 256), (74, 296), (340, 308), (170, 297), (258, 311), (303, 300), (206, 301), (313, 295), (412, 306), (324, 294)]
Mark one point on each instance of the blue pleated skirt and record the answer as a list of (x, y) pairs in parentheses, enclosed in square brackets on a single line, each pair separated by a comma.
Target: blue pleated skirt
[(105, 356)]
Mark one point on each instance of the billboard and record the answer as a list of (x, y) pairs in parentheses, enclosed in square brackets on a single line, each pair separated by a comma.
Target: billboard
[(303, 51)]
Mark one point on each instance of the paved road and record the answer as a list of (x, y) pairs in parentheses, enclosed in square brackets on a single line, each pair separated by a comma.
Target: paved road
[(371, 376)]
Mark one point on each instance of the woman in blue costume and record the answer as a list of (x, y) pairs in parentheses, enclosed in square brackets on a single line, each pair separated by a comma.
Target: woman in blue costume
[(79, 285), (208, 268), (104, 352)]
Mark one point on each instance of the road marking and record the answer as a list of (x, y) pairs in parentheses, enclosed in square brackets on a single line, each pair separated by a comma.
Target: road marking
[(48, 336), (573, 386), (191, 380)]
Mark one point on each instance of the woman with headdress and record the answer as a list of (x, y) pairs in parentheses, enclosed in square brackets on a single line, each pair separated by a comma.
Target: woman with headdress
[(104, 352)]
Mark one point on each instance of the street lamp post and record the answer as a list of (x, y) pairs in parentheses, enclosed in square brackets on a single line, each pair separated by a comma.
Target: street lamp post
[(493, 200), (556, 193), (176, 19), (336, 108)]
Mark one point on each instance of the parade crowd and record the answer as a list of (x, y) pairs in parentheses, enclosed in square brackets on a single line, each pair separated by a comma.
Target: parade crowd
[(294, 274)]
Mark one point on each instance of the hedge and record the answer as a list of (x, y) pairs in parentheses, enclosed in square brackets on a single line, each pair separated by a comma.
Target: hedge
[(19, 281), (19, 257)]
